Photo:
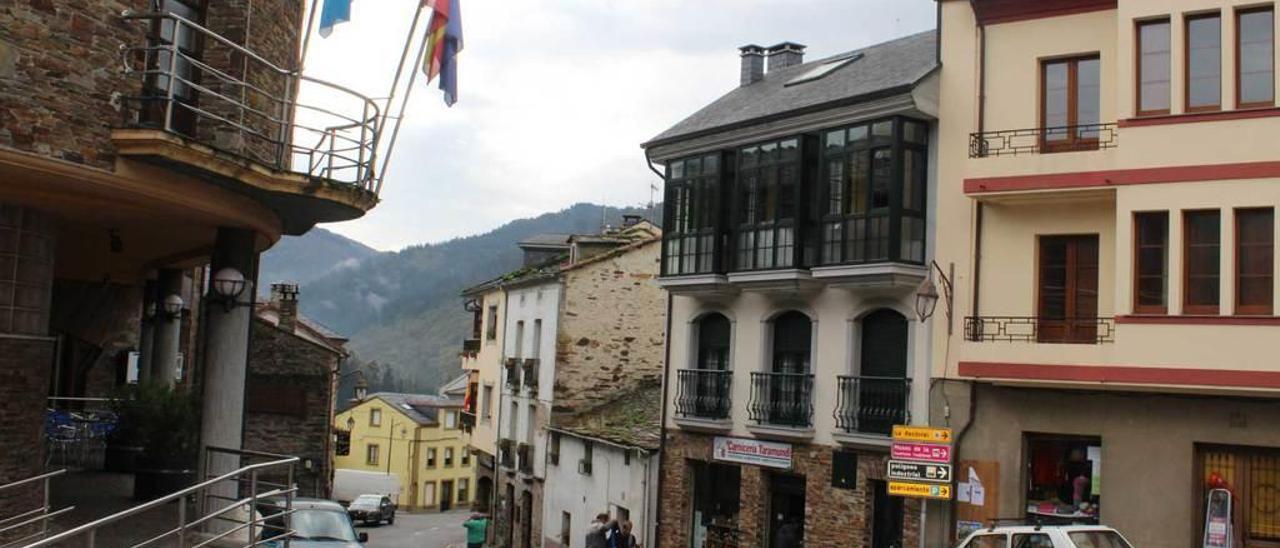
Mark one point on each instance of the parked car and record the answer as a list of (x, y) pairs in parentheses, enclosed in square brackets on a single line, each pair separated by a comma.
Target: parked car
[(314, 523), (1046, 536), (373, 509)]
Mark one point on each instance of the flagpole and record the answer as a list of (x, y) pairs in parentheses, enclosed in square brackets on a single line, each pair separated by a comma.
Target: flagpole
[(391, 95), (306, 41), (404, 103)]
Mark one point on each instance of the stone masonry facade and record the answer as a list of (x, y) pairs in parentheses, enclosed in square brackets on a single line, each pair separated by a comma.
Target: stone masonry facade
[(612, 321), (290, 402), (24, 380), (506, 528), (834, 517)]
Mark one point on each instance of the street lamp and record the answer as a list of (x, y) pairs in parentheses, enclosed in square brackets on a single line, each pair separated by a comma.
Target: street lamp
[(227, 285), (351, 423), (173, 306), (927, 295)]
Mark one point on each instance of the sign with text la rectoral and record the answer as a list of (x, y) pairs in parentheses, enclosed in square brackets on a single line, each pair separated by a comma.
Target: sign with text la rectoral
[(747, 451), (902, 432)]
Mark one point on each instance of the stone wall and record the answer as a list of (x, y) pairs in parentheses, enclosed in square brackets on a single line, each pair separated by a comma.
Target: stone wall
[(290, 402), (834, 517), (611, 326), (502, 529), (24, 380)]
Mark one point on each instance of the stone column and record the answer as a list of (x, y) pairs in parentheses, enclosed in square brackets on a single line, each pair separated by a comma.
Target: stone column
[(167, 329), (226, 356), (146, 338)]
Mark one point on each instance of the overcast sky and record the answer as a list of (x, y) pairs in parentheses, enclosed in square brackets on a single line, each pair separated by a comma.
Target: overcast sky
[(556, 96)]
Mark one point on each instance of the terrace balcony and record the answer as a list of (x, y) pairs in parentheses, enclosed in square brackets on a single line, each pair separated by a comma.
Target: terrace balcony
[(199, 103)]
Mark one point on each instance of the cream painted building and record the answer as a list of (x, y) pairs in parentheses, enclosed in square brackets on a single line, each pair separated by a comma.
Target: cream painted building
[(417, 438), (798, 228), (482, 360), (1109, 176)]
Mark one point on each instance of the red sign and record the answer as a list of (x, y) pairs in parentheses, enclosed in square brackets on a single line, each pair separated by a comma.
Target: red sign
[(926, 452)]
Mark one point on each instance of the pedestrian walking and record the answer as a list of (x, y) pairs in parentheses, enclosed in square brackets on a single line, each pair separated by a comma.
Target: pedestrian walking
[(597, 532), (476, 526), (624, 537)]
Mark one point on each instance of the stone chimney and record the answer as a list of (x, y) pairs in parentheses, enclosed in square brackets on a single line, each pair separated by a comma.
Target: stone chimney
[(752, 64), (785, 55), (285, 298)]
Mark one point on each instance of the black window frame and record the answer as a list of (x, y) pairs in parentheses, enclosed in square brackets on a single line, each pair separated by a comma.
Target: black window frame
[(693, 213), (763, 235), (847, 212)]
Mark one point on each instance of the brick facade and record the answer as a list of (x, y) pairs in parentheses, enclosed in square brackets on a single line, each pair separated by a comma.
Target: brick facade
[(834, 517), (612, 319), (24, 381), (290, 402)]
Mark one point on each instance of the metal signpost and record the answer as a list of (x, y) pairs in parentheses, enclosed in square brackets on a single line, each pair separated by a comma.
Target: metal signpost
[(920, 463)]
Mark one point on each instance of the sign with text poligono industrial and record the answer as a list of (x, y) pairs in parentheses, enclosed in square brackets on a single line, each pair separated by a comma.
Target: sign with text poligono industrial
[(918, 471), (745, 451)]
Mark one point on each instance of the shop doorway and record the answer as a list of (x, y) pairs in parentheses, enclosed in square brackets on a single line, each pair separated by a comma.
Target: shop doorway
[(1067, 309), (886, 519), (715, 504), (1064, 479), (786, 511), (446, 495), (1252, 475)]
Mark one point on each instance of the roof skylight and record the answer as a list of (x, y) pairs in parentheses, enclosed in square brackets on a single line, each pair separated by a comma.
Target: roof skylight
[(822, 70)]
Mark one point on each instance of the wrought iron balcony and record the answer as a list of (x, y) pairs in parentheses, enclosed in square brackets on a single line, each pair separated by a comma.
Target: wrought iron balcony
[(1039, 330), (781, 399), (470, 347), (513, 373), (1039, 140), (468, 420), (530, 369), (703, 393), (250, 108), (872, 405), (525, 452), (506, 454)]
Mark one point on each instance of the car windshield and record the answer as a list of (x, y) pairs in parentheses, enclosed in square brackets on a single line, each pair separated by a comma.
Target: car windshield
[(316, 525), (1098, 539), (368, 499)]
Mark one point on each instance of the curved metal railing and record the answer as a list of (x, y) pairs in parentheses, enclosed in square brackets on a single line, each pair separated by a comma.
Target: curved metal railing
[(247, 106)]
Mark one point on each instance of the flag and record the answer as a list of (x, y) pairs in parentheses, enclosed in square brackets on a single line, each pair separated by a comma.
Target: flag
[(444, 41), (334, 12)]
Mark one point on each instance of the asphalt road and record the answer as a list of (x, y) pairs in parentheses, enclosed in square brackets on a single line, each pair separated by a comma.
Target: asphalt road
[(428, 530)]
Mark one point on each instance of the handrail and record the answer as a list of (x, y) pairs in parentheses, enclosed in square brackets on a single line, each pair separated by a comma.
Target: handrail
[(175, 496), (32, 479)]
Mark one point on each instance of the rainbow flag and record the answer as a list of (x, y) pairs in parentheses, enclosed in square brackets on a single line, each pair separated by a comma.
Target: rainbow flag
[(444, 41)]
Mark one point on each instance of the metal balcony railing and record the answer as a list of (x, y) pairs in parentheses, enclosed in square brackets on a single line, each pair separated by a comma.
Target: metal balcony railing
[(1089, 330), (872, 405), (525, 452), (31, 522), (703, 393), (252, 109), (781, 399), (506, 454), (529, 368), (1039, 140), (247, 507)]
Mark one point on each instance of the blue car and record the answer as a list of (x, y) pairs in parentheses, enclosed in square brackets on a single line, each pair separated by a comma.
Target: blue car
[(314, 523)]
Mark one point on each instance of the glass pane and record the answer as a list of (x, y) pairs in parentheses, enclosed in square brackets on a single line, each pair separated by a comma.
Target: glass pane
[(835, 140), (1256, 56), (1204, 62), (693, 167), (881, 177), (787, 187), (676, 169), (835, 187), (789, 150), (1154, 66), (913, 189), (750, 156), (1088, 93), (1055, 97), (769, 153), (857, 134), (882, 129), (915, 132), (860, 180)]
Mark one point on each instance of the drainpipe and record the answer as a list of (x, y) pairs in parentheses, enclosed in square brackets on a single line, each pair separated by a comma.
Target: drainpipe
[(982, 67), (662, 440)]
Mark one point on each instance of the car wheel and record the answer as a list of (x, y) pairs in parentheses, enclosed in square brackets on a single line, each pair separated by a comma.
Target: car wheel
[(391, 520)]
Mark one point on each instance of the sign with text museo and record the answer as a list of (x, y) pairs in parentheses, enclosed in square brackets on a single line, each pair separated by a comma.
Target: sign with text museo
[(746, 451)]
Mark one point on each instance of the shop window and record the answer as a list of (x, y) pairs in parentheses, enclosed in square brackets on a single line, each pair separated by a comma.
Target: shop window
[(1255, 58), (1151, 264), (715, 505), (1201, 234), (1255, 247), (1068, 292), (1065, 482), (1154, 67), (1251, 475), (1203, 62)]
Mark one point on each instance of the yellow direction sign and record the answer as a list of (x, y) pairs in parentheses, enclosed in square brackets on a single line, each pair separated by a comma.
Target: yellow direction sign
[(921, 433), (920, 490)]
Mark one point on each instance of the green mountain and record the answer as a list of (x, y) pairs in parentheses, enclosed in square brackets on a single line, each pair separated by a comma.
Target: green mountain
[(303, 259), (402, 310)]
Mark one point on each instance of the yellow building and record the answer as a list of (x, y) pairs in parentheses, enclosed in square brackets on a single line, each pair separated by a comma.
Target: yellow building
[(417, 438), (1108, 179)]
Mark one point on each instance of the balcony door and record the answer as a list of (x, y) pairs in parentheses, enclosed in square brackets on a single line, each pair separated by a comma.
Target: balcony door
[(882, 386), (1068, 289), (711, 381), (789, 390), (1070, 94)]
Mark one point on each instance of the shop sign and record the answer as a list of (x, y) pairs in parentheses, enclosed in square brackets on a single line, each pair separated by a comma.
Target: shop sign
[(745, 451), (919, 471), (1217, 520), (903, 432), (939, 491), (927, 452)]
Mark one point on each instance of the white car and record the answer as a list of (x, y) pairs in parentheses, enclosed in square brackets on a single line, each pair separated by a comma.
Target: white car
[(1046, 536)]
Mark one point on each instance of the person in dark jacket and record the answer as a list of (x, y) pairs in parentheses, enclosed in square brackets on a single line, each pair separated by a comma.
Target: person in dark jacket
[(597, 532)]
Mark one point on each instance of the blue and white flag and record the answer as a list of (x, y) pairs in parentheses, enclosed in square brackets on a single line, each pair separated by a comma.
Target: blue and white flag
[(334, 12)]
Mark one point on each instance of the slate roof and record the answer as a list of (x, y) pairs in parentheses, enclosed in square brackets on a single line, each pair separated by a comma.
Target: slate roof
[(421, 408), (886, 68), (638, 234), (545, 240), (632, 419)]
